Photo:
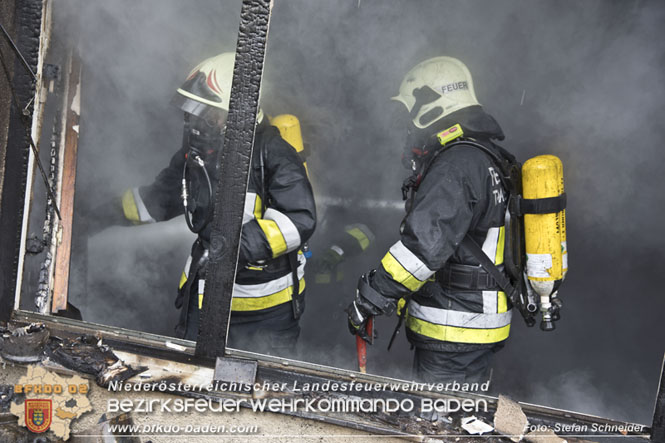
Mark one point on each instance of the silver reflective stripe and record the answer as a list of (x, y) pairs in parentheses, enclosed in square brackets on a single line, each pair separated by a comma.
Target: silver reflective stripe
[(271, 287), (286, 227), (490, 302), (491, 242), (459, 319), (187, 266), (144, 215), (248, 212), (412, 264)]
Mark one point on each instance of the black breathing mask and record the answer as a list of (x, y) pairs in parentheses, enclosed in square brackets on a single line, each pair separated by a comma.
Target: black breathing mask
[(204, 138)]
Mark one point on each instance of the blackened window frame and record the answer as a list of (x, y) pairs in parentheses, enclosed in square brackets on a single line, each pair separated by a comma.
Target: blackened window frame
[(232, 185), (235, 161)]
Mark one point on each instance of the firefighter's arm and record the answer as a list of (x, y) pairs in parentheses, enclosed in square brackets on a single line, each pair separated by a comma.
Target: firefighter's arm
[(156, 202), (440, 217), (160, 200), (439, 220), (290, 216), (351, 242)]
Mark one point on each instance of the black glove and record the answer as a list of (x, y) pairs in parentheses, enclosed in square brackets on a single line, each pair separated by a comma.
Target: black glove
[(358, 317), (368, 303), (325, 267)]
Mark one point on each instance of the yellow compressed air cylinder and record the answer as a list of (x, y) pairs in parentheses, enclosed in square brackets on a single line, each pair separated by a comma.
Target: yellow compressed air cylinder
[(545, 234), (289, 129)]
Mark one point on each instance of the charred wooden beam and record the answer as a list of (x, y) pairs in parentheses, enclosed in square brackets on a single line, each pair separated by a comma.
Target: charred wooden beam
[(28, 19), (67, 188), (235, 159)]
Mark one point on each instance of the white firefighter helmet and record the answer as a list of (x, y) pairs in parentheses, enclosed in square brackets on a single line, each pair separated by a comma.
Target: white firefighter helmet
[(436, 88), (208, 85)]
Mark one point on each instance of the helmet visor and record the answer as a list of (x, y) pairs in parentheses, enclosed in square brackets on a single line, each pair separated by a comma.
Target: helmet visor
[(191, 106), (214, 117)]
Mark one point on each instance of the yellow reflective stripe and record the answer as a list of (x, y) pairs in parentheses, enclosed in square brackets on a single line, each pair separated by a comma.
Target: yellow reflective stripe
[(456, 334), (201, 290), (400, 274), (502, 302), (257, 207), (268, 301), (274, 236), (500, 246), (129, 207), (185, 272), (360, 236), (286, 226), (400, 305), (410, 261)]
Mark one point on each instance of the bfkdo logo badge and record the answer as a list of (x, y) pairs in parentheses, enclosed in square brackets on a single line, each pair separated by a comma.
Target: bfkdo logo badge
[(38, 414)]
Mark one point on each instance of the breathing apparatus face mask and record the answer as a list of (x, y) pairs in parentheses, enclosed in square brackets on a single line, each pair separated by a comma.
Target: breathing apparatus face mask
[(418, 138), (204, 135), (398, 121), (417, 144)]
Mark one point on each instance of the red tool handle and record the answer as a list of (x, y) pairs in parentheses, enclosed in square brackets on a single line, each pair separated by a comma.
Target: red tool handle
[(361, 346)]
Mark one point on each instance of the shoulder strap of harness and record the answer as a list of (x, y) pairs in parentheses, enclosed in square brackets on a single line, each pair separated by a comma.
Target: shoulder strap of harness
[(511, 178), (504, 161)]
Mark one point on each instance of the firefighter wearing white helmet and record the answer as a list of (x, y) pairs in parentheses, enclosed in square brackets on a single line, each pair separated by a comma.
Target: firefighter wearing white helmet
[(208, 86), (456, 316), (279, 216)]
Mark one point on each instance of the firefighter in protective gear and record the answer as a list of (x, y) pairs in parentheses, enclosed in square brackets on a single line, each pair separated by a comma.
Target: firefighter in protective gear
[(279, 216), (352, 241), (456, 315)]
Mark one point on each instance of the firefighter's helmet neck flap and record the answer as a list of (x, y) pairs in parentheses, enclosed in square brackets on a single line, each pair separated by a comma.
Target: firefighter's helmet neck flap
[(204, 97), (431, 92)]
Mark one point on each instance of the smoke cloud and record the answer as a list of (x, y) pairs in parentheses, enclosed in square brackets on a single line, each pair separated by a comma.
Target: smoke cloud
[(580, 80)]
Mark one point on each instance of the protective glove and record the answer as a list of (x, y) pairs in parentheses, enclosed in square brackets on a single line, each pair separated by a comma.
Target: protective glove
[(358, 317), (368, 303), (325, 267)]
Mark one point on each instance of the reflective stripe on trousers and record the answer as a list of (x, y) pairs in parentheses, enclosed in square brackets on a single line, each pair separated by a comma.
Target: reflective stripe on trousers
[(259, 296)]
